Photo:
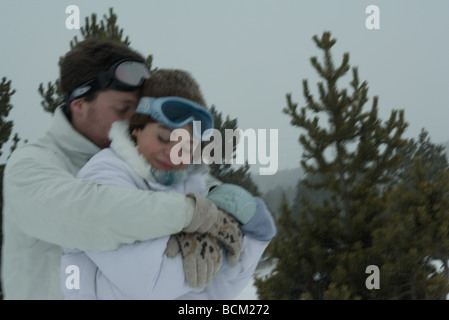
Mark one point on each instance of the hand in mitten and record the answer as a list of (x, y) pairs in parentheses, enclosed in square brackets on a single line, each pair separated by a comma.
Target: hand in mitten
[(204, 215), (201, 256), (227, 232), (219, 224), (235, 200)]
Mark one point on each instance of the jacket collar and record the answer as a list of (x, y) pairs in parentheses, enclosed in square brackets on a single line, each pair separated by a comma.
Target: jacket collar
[(124, 147), (79, 148)]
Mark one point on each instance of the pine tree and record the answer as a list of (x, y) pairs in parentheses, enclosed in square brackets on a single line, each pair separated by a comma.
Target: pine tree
[(415, 242), (286, 245), (427, 151), (416, 237), (5, 107), (106, 29), (5, 133), (351, 155)]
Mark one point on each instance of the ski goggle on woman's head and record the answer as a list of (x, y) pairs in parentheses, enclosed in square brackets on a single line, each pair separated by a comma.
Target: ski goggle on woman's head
[(176, 112), (125, 75)]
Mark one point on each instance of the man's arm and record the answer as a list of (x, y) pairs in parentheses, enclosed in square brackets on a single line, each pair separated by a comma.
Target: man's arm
[(48, 203)]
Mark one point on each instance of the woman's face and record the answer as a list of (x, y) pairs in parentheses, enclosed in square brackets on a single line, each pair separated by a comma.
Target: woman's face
[(153, 142)]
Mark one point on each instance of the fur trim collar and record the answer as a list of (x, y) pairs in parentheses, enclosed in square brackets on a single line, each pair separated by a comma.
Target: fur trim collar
[(125, 148)]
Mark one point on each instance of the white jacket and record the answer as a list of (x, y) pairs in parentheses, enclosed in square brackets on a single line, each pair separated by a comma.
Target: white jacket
[(46, 207), (142, 270)]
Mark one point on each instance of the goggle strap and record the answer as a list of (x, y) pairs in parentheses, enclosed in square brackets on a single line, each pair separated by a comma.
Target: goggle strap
[(108, 79)]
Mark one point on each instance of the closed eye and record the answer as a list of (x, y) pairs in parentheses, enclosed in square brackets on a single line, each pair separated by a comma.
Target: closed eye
[(163, 140), (124, 110)]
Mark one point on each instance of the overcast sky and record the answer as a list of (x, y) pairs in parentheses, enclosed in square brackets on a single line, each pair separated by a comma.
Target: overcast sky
[(248, 54)]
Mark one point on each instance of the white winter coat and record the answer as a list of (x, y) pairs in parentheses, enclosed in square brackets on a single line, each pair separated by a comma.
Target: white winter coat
[(46, 207), (142, 270)]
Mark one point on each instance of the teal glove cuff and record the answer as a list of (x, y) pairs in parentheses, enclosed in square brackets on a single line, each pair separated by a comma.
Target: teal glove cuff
[(234, 200)]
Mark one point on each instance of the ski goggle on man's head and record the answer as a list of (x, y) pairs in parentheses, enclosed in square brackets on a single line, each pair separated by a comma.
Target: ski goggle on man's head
[(125, 75), (176, 112)]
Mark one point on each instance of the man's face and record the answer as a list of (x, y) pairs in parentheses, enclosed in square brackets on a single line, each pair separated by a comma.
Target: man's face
[(93, 119)]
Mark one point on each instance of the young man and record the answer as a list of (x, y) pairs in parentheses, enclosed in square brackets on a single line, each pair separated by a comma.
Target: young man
[(46, 207)]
